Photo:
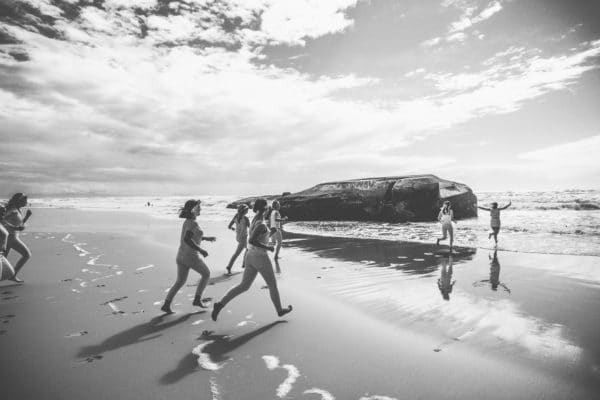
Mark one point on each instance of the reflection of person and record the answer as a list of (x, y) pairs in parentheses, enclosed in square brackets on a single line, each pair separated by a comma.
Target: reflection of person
[(14, 222), (445, 283), (189, 255), (495, 219), (256, 261), (446, 217), (275, 220), (494, 274), (242, 223)]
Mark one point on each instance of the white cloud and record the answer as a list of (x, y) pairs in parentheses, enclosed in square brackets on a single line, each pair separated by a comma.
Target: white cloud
[(580, 154)]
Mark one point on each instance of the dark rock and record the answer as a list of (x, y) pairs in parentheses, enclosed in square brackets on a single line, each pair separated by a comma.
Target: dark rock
[(392, 199)]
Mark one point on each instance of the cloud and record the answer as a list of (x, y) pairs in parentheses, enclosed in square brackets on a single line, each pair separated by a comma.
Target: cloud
[(467, 19), (578, 154)]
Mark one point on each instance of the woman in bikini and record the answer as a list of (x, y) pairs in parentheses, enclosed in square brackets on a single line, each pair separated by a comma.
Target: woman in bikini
[(14, 222)]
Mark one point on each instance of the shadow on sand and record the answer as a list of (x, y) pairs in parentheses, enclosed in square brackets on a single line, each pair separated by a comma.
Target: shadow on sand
[(218, 350), (136, 334), (381, 253)]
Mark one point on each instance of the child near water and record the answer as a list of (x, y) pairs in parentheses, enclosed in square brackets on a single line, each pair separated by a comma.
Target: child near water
[(495, 219)]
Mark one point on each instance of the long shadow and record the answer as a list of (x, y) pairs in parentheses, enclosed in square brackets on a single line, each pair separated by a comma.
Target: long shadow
[(217, 350), (380, 252), (136, 334)]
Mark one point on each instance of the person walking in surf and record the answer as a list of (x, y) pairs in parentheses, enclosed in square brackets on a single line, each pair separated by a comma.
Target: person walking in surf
[(446, 217), (256, 262), (190, 255), (495, 219), (242, 223)]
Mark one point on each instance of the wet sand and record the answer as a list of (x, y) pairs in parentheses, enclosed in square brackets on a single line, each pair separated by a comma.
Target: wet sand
[(370, 320)]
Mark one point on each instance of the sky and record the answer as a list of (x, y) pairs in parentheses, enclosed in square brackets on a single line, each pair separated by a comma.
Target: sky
[(157, 97)]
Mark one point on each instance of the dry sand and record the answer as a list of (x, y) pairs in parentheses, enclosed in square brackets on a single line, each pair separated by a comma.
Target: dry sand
[(369, 320)]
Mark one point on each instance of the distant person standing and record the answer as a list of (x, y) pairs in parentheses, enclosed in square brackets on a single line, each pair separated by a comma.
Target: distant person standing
[(275, 223), (446, 217), (242, 223), (495, 219), (14, 222), (190, 255), (256, 261)]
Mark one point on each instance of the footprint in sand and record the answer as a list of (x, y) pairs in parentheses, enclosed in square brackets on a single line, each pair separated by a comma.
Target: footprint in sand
[(66, 280), (76, 334), (92, 358)]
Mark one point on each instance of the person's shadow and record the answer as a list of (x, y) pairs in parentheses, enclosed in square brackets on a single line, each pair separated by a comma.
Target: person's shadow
[(445, 282), (136, 334), (217, 351)]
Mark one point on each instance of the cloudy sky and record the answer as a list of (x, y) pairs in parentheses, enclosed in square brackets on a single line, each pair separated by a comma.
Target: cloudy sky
[(264, 96)]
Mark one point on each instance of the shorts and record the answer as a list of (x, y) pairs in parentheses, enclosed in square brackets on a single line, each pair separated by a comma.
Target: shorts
[(447, 228), (257, 259), (495, 229)]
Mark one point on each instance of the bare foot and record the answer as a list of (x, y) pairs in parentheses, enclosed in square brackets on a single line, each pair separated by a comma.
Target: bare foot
[(166, 308), (217, 307), (284, 311)]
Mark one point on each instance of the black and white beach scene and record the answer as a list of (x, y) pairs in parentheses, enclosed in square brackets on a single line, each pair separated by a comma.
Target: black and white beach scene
[(299, 199)]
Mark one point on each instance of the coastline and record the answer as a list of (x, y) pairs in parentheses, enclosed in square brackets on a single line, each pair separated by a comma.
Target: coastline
[(366, 320)]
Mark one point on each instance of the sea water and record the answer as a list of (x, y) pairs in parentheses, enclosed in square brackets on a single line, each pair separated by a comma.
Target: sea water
[(554, 222)]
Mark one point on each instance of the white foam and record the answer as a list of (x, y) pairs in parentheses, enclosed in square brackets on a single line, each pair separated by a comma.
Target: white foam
[(83, 284), (146, 267), (204, 360), (198, 322), (214, 389), (271, 361), (378, 398), (325, 395), (285, 387)]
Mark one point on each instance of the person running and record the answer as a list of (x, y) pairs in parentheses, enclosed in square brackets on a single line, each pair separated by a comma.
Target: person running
[(242, 223), (495, 219), (14, 222), (256, 261), (275, 221), (446, 217), (189, 255), (6, 269)]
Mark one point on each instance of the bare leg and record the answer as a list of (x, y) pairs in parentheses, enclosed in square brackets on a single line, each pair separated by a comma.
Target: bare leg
[(201, 268), (279, 240), (14, 242), (249, 275), (182, 275), (238, 251), (451, 232), (266, 271)]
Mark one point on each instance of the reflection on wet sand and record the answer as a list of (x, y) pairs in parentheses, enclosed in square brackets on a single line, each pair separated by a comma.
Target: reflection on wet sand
[(445, 283), (390, 280), (494, 280)]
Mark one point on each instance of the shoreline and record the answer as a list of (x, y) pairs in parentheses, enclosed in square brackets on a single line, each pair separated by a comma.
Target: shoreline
[(356, 311)]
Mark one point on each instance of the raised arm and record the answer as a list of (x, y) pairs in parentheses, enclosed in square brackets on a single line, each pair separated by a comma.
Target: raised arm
[(506, 206), (483, 208)]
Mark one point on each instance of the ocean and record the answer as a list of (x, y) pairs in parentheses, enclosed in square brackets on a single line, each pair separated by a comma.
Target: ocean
[(550, 222)]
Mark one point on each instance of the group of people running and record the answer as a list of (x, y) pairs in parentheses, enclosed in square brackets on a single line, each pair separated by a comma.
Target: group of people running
[(253, 236), (256, 237)]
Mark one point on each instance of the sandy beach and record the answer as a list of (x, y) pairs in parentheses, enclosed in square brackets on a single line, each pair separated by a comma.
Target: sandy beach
[(369, 321)]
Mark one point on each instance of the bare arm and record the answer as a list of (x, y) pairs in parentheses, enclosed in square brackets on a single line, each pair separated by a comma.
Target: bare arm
[(506, 206), (230, 226), (483, 208), (260, 230), (28, 214), (188, 240)]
